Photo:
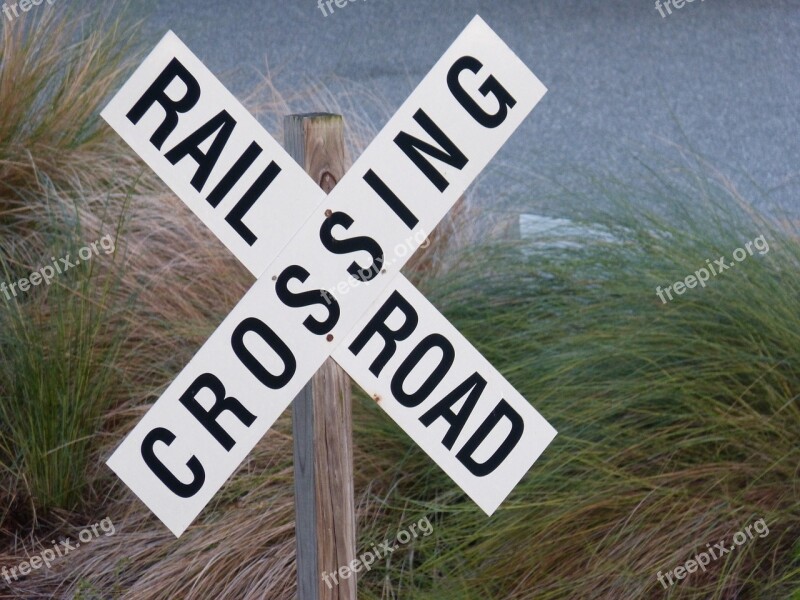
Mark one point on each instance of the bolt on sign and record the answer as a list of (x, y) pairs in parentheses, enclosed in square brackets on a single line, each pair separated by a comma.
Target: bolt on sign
[(301, 244)]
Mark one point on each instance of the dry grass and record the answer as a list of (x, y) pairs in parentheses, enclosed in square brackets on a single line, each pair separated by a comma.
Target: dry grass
[(54, 74), (64, 182)]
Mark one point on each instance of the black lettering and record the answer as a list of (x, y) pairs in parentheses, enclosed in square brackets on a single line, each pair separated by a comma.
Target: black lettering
[(263, 330), (221, 126), (503, 409), (490, 86), (448, 152), (176, 486), (232, 177), (434, 340), (238, 212), (473, 387), (354, 244), (303, 299), (391, 200), (208, 418), (157, 92), (377, 325)]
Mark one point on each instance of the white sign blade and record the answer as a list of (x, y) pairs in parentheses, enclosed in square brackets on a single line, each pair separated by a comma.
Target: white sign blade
[(327, 277), (444, 394), (213, 153)]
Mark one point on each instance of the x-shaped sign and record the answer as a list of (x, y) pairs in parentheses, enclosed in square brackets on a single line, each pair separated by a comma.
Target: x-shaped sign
[(328, 269)]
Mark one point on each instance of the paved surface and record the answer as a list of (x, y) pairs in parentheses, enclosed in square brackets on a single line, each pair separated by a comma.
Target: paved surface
[(720, 75)]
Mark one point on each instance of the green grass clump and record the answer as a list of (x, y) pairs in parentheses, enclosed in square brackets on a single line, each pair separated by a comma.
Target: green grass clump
[(62, 179), (678, 423), (58, 350)]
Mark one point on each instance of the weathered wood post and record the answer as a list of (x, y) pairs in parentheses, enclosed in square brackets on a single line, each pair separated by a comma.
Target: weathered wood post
[(322, 418)]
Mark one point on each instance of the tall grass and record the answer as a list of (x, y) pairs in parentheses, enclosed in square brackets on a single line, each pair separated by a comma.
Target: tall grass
[(63, 184), (679, 423), (59, 348), (55, 74)]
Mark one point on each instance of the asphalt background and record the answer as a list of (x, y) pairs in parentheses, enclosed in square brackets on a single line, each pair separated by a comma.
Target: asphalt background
[(720, 76)]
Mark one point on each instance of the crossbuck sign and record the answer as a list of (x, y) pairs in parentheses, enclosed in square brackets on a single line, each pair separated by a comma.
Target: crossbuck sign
[(302, 244)]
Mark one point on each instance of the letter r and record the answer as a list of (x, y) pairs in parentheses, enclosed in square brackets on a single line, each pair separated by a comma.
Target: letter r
[(157, 92), (378, 326), (208, 418)]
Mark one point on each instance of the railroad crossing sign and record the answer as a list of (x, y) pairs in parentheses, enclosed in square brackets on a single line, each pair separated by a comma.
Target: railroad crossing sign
[(328, 269)]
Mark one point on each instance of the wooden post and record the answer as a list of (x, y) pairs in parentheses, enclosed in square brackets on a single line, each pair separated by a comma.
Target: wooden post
[(322, 418)]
